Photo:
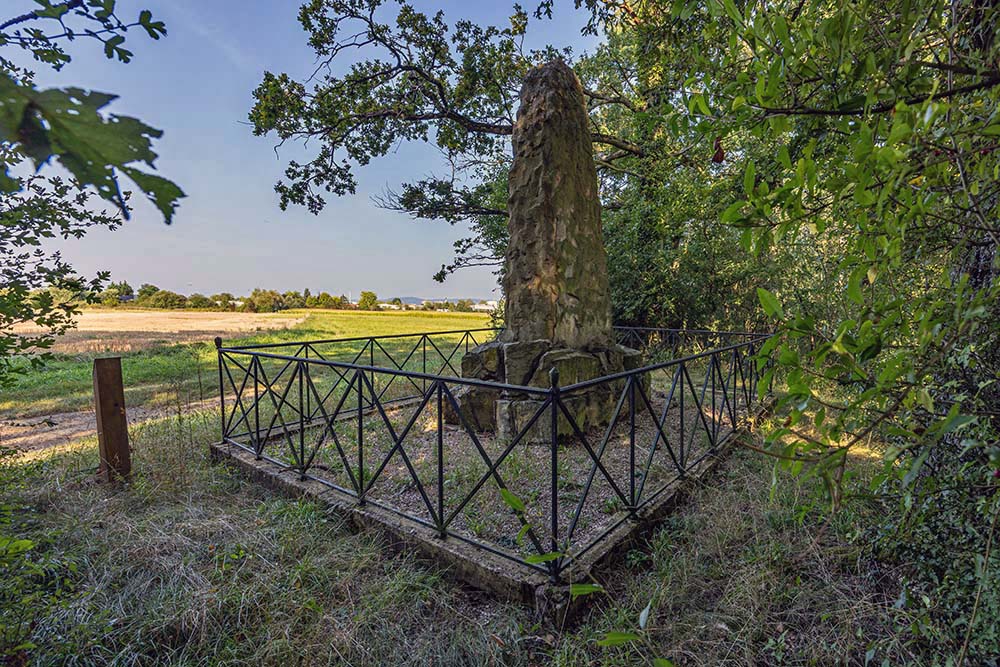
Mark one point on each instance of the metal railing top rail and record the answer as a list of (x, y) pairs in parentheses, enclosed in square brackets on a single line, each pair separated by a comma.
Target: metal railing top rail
[(491, 384), (585, 384), (418, 375), (354, 339), (626, 327)]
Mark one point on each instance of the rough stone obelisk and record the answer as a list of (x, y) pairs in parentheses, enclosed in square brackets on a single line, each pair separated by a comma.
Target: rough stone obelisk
[(558, 305), (556, 279)]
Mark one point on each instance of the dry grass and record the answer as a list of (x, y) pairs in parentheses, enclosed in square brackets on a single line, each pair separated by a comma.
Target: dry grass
[(134, 330), (525, 470), (190, 564), (163, 374)]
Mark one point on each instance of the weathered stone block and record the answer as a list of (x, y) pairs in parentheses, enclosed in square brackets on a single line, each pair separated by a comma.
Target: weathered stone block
[(477, 405), (514, 415), (558, 311), (484, 362), (631, 359), (573, 366), (520, 359)]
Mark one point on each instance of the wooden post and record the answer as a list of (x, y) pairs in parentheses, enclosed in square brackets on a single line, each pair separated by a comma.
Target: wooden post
[(112, 427)]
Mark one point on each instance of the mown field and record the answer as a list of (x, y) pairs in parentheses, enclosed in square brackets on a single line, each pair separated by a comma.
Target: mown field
[(169, 359)]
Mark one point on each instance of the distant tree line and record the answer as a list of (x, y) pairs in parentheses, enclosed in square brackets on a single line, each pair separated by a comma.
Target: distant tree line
[(122, 294)]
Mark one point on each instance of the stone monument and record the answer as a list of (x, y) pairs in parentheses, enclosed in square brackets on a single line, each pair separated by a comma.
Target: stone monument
[(558, 306)]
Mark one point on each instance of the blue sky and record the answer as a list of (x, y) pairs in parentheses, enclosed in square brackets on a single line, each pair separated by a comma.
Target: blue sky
[(229, 234)]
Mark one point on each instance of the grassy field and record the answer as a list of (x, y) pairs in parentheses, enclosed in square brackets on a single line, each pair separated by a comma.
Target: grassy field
[(168, 359), (191, 564)]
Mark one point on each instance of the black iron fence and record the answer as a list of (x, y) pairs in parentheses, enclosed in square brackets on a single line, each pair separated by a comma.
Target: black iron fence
[(378, 419)]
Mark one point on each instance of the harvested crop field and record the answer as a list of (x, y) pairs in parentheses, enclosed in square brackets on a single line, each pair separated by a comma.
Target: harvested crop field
[(135, 330)]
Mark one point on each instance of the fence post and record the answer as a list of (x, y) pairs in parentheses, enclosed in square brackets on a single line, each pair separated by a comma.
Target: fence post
[(222, 392), (631, 445), (302, 423), (554, 426), (258, 446), (680, 402), (371, 374), (359, 376), (308, 398), (442, 531), (112, 426)]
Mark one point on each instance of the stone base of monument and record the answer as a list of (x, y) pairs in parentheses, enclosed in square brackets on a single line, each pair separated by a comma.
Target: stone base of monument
[(530, 364)]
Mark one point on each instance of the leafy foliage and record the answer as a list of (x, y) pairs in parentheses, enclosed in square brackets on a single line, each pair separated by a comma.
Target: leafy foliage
[(48, 208), (368, 301), (66, 125), (35, 582), (882, 178)]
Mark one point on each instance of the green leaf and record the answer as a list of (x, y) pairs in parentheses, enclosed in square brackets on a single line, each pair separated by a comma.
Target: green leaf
[(771, 305), (67, 124), (618, 638), (163, 193), (733, 212), (732, 12), (535, 559), (956, 422), (109, 46), (899, 132), (513, 501), (783, 158), (749, 179), (578, 590), (662, 662), (12, 547), (854, 286), (781, 29)]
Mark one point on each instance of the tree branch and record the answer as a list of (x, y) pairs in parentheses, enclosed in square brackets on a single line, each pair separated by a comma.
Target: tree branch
[(880, 108), (70, 5)]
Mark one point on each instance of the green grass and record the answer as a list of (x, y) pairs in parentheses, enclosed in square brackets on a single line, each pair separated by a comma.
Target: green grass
[(191, 564), (165, 376)]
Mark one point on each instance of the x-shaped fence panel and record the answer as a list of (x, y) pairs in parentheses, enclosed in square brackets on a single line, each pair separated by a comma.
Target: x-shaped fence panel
[(379, 419)]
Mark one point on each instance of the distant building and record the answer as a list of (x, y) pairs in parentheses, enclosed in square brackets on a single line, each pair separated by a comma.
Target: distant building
[(126, 298), (485, 306)]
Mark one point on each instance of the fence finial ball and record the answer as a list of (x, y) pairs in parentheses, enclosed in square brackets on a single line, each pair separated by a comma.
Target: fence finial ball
[(218, 341), (554, 376)]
